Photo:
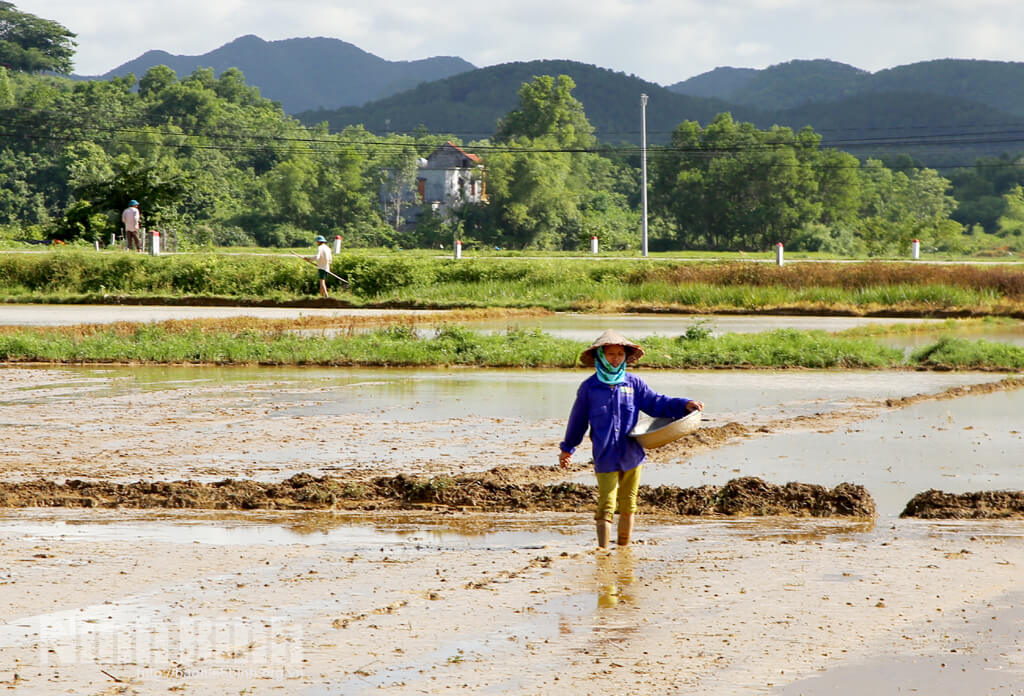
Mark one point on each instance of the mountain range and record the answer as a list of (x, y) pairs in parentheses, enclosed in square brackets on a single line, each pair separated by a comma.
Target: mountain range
[(302, 74), (939, 111)]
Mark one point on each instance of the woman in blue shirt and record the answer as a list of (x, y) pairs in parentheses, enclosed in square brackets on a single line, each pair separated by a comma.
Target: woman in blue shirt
[(609, 402)]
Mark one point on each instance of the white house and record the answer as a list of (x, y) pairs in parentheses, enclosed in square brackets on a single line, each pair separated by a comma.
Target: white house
[(447, 178)]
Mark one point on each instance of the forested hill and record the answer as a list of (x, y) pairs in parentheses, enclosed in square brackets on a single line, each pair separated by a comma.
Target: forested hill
[(469, 105), (996, 84), (936, 129), (305, 73)]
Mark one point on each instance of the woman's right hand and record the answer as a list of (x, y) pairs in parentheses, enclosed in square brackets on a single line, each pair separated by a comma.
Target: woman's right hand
[(564, 458)]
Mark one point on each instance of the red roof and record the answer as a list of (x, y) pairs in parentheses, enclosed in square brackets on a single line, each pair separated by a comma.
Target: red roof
[(470, 155)]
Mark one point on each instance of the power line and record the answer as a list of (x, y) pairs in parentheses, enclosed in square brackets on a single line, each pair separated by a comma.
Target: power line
[(234, 140)]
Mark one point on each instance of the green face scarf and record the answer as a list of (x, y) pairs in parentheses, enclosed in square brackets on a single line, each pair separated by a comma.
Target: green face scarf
[(605, 372)]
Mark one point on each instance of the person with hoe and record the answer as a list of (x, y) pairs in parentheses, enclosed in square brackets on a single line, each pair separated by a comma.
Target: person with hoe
[(608, 403), (323, 263), (131, 219)]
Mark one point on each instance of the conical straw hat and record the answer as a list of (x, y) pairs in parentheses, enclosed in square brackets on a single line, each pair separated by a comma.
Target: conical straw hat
[(611, 337)]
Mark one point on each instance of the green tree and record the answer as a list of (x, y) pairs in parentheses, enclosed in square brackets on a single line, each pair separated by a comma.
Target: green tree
[(731, 186), (897, 207), (1011, 222), (156, 80), (31, 44), (547, 109), (544, 187), (6, 93)]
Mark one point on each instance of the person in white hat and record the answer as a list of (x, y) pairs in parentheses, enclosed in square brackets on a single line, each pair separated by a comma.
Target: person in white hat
[(609, 403), (131, 219), (323, 263)]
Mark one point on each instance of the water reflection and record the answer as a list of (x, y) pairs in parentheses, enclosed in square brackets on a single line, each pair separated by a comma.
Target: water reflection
[(615, 575)]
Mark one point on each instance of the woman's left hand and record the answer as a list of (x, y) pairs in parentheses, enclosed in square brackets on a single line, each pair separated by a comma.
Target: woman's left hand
[(695, 406)]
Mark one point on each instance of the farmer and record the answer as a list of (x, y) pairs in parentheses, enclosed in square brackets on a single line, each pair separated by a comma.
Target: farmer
[(609, 402), (131, 219), (323, 263)]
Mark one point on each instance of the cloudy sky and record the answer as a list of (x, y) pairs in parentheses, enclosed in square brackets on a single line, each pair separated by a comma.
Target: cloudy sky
[(663, 41)]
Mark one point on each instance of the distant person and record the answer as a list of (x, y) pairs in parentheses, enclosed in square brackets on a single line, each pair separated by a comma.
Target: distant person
[(323, 263), (609, 403), (131, 219)]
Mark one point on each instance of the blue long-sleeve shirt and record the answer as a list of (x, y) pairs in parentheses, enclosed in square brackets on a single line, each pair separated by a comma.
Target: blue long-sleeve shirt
[(611, 413)]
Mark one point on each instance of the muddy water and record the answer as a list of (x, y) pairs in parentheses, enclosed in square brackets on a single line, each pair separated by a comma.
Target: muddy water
[(337, 533), (421, 394), (619, 598), (63, 315), (582, 327), (271, 423), (967, 444)]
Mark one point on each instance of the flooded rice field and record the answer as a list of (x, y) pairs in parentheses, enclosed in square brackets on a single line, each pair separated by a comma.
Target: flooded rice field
[(326, 603), (210, 423), (448, 599)]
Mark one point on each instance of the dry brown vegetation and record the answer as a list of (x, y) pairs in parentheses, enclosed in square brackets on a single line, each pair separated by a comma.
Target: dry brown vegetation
[(1006, 279)]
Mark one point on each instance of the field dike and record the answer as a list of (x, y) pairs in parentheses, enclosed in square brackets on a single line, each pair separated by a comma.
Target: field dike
[(495, 490)]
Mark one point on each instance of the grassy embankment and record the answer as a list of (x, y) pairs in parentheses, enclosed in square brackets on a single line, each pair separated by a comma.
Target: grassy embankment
[(250, 341), (604, 285)]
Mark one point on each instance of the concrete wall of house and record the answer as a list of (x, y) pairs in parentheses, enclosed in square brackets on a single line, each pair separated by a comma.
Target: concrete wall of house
[(448, 179)]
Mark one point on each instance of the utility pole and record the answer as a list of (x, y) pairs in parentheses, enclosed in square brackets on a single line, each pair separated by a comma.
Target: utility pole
[(643, 163)]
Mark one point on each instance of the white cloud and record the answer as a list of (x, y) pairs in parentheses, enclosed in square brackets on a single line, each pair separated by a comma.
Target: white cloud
[(660, 40)]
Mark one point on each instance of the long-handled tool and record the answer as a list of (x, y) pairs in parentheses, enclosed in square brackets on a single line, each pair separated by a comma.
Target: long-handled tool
[(310, 261)]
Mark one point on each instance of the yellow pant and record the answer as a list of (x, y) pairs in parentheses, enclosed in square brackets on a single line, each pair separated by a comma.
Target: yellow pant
[(617, 487)]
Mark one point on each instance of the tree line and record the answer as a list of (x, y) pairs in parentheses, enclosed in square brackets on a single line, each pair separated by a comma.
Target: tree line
[(211, 158)]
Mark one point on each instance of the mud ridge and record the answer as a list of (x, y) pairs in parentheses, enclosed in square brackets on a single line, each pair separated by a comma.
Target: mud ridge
[(484, 492), (978, 505)]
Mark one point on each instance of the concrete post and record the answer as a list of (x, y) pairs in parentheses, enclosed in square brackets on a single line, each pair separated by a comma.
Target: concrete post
[(154, 246), (778, 254), (593, 245), (915, 249), (337, 244), (458, 249)]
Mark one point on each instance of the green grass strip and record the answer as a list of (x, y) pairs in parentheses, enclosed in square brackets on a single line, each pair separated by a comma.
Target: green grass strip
[(960, 354), (448, 345)]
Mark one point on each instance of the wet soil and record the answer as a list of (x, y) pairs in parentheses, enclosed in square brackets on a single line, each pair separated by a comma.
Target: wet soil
[(495, 490), (211, 446), (977, 505)]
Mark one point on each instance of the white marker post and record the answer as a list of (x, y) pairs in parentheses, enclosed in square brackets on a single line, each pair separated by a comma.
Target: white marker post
[(778, 254), (458, 249), (154, 247), (113, 240), (593, 245), (915, 249), (337, 244)]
